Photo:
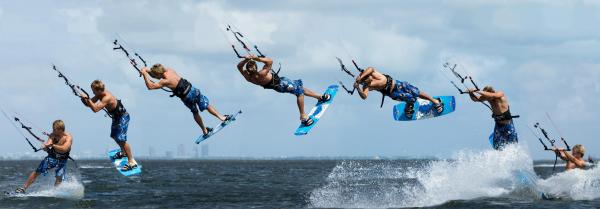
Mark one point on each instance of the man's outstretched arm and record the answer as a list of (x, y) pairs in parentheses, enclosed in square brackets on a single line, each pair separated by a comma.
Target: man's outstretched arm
[(364, 74), (571, 158), (489, 95), (151, 85), (96, 107), (473, 96), (240, 66), (362, 92), (64, 147), (267, 67)]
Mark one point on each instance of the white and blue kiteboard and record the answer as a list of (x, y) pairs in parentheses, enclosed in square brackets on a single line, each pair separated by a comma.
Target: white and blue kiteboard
[(119, 163), (317, 112), (218, 128), (423, 109)]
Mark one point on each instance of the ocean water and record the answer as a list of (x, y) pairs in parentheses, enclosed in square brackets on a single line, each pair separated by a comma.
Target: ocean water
[(472, 179)]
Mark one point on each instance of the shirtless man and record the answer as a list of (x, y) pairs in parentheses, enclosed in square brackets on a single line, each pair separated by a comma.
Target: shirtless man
[(189, 95), (504, 129), (269, 80), (373, 80), (58, 147), (120, 119), (574, 160)]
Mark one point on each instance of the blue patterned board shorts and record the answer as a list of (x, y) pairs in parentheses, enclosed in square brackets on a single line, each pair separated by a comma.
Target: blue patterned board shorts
[(405, 92), (195, 101), (118, 128), (50, 163), (286, 85), (504, 134)]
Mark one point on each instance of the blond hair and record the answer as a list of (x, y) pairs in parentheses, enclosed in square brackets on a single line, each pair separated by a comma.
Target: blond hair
[(579, 148), (97, 85), (489, 89), (58, 125), (251, 63), (156, 70)]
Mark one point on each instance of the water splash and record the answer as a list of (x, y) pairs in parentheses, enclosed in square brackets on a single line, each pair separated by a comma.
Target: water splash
[(472, 174), (71, 188), (573, 184)]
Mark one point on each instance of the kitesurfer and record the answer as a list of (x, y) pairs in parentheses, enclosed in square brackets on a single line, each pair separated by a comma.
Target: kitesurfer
[(120, 119), (573, 159), (58, 147), (270, 80), (504, 128), (373, 80), (182, 88)]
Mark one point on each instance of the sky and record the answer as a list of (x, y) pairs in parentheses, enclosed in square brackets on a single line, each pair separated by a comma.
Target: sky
[(542, 54)]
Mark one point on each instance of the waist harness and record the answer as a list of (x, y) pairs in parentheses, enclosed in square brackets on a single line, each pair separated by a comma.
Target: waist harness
[(504, 116), (182, 89), (385, 91), (118, 111), (59, 156), (274, 82)]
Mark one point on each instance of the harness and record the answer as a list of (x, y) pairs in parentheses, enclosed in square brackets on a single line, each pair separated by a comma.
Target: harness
[(182, 89), (59, 156), (273, 83), (385, 91), (504, 116), (118, 111)]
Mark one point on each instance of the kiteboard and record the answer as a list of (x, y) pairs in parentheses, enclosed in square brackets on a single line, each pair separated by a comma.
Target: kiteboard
[(317, 112), (218, 128), (528, 179), (423, 109), (119, 163)]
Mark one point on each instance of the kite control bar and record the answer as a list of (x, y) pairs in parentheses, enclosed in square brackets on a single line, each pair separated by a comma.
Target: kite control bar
[(118, 46), (133, 62), (550, 140), (239, 36), (75, 88), (345, 70), (360, 70), (452, 68), (461, 78)]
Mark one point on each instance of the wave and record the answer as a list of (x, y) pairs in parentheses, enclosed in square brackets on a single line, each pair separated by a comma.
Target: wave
[(93, 167), (470, 175), (574, 184), (71, 188)]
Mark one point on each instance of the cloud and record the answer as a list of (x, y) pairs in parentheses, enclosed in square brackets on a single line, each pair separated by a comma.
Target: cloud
[(542, 54), (82, 21)]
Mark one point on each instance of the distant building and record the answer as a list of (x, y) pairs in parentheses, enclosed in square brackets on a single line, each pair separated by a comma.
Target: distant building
[(169, 154), (205, 150), (151, 152), (181, 151), (196, 152)]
